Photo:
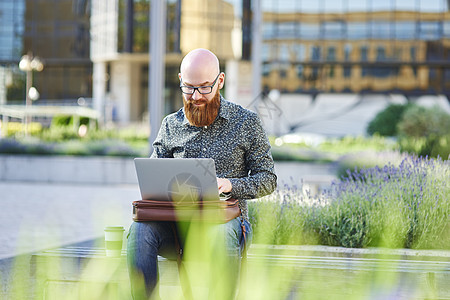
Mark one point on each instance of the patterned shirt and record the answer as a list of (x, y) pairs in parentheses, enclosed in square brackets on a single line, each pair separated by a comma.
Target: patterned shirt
[(237, 143)]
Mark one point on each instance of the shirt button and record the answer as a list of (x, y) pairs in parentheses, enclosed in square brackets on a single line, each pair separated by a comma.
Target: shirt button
[(204, 149)]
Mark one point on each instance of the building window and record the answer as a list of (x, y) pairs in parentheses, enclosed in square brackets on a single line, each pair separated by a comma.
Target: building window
[(283, 52), (315, 53), (357, 30), (268, 31), (266, 68), (381, 54), (286, 30), (430, 30), (331, 72), (447, 79), (405, 30), (412, 53), (300, 52), (309, 31), (364, 55), (334, 30), (265, 53), (347, 52), (446, 29), (381, 30), (331, 54), (300, 71), (347, 71)]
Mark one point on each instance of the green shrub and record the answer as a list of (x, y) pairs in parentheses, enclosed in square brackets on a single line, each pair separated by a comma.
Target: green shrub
[(112, 148), (11, 146), (29, 145), (283, 218), (404, 206), (18, 129), (61, 121), (68, 121), (419, 121), (73, 147), (385, 122), (58, 134), (425, 131), (350, 144), (432, 146), (288, 153)]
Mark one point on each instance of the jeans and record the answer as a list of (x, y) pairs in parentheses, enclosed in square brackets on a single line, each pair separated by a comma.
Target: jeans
[(147, 240)]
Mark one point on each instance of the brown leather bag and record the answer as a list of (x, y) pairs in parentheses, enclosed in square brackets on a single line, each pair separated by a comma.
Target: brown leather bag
[(220, 211)]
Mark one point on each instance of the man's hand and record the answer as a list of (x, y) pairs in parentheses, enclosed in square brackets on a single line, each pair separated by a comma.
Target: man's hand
[(224, 185)]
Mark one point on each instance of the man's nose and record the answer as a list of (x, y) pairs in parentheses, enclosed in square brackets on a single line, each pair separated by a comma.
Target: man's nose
[(196, 95)]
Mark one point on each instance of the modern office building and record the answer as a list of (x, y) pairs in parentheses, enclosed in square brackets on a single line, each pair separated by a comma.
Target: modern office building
[(99, 49), (120, 50), (375, 46), (58, 33)]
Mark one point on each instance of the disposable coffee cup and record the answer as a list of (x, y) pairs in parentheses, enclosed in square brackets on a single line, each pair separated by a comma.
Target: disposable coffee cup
[(113, 240)]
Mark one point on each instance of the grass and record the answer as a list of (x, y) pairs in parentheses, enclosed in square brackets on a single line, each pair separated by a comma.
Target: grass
[(64, 140), (102, 147), (132, 142)]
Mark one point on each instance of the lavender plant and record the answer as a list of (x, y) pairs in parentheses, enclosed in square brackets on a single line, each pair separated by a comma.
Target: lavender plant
[(392, 206)]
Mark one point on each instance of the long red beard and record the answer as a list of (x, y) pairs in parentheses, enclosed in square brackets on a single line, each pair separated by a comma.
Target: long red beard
[(204, 115)]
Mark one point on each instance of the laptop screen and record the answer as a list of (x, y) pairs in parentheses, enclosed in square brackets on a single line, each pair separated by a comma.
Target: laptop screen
[(177, 179)]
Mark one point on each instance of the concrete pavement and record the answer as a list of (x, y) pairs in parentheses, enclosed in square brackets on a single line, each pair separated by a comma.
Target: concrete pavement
[(37, 216)]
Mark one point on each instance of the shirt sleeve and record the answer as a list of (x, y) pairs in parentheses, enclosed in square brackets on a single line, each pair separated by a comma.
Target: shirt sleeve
[(261, 179), (160, 146)]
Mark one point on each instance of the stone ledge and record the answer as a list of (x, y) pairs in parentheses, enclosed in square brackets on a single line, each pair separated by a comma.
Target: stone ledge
[(355, 252), (68, 169), (305, 264)]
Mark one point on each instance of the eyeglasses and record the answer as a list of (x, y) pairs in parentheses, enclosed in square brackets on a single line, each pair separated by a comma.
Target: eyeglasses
[(207, 89)]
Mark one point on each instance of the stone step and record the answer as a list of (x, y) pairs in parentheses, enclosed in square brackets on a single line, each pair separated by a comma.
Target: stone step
[(415, 274)]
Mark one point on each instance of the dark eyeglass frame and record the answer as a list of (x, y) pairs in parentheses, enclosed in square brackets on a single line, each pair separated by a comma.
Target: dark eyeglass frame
[(198, 87)]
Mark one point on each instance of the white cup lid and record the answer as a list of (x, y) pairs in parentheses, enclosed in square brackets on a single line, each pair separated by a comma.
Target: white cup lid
[(114, 228)]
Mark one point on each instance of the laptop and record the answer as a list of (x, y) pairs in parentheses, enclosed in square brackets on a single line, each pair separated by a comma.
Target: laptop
[(186, 180)]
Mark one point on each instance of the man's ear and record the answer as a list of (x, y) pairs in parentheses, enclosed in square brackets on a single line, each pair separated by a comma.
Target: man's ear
[(179, 76), (221, 80)]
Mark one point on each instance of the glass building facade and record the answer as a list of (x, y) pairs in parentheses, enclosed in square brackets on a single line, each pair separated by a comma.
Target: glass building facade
[(374, 46), (55, 31), (120, 41)]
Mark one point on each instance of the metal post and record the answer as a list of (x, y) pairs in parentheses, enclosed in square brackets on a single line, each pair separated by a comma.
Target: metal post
[(246, 29), (4, 129), (28, 64), (156, 74), (256, 49), (177, 29), (29, 84)]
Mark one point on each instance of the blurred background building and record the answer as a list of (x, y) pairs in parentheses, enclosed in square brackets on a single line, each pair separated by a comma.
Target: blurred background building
[(58, 33), (99, 50)]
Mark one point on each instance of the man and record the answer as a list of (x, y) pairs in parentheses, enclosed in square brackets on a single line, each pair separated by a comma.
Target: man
[(208, 126)]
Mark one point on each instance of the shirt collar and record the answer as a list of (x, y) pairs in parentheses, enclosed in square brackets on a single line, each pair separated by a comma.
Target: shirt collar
[(224, 111)]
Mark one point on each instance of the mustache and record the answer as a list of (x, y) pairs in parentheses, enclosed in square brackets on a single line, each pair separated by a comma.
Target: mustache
[(196, 101)]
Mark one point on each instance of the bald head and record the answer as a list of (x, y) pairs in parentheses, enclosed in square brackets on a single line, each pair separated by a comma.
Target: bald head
[(199, 66)]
